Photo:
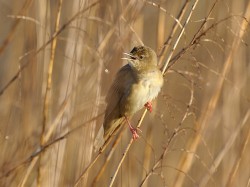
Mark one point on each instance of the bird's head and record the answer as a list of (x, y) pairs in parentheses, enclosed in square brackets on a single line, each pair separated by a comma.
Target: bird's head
[(141, 57)]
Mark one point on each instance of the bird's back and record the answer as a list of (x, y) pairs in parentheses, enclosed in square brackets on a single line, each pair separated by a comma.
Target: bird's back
[(115, 99)]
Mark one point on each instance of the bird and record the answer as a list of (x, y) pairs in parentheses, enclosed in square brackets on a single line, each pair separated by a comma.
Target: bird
[(135, 85)]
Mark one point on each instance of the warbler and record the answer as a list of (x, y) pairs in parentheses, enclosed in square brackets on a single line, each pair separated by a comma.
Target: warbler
[(136, 84)]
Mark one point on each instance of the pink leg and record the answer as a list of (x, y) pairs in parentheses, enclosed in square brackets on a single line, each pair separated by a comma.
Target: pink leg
[(148, 105), (132, 129)]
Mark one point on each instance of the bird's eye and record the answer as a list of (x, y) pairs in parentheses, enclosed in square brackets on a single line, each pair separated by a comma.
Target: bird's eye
[(141, 57)]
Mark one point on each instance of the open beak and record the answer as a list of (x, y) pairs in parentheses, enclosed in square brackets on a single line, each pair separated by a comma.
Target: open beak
[(132, 57), (126, 58), (132, 60)]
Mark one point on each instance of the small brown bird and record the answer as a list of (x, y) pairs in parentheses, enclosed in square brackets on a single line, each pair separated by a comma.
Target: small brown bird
[(135, 85)]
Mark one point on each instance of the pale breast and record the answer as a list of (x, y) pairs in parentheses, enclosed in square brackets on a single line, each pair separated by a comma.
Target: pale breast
[(147, 88)]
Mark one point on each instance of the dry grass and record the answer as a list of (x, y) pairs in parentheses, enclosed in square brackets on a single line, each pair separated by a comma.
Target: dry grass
[(58, 59)]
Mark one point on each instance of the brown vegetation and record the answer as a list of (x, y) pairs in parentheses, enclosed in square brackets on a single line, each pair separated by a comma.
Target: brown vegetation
[(58, 59)]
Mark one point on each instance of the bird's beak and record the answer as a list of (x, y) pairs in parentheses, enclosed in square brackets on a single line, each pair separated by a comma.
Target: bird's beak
[(126, 58), (132, 60), (132, 57)]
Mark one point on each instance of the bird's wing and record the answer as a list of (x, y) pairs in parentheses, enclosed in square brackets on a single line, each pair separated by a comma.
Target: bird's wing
[(119, 89)]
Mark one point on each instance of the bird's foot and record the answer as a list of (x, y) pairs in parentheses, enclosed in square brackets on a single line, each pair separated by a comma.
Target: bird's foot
[(134, 132), (132, 129), (148, 106)]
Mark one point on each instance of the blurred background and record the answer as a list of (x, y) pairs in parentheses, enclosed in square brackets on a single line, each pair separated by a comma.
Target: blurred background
[(58, 59)]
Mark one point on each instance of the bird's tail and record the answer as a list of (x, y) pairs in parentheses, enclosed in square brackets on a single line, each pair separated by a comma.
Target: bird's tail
[(102, 138), (99, 140)]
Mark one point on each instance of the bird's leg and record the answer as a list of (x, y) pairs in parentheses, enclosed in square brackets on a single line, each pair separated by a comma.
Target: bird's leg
[(132, 129), (148, 105)]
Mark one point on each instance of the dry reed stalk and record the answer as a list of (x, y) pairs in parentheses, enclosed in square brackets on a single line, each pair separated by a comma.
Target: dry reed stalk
[(133, 31), (163, 52), (47, 99), (179, 37), (232, 176), (13, 29), (29, 170), (55, 35), (177, 130), (186, 161), (53, 42), (91, 164), (224, 150), (108, 158), (45, 147), (148, 149)]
